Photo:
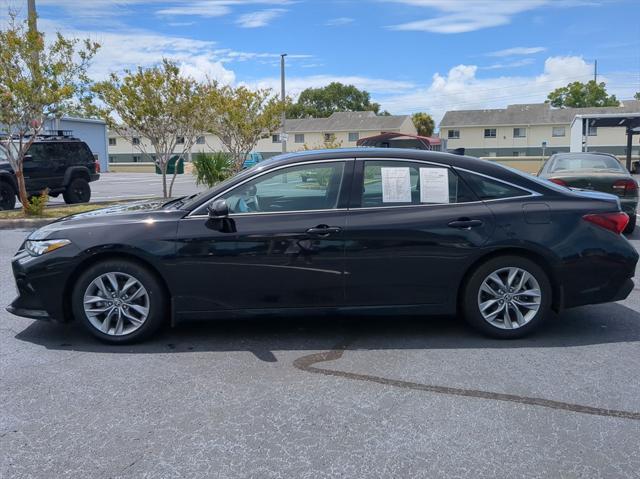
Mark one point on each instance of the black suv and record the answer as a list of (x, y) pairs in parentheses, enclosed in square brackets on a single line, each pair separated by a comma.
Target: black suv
[(62, 164)]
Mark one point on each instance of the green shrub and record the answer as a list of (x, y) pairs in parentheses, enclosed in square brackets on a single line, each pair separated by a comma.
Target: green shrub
[(36, 204), (212, 168)]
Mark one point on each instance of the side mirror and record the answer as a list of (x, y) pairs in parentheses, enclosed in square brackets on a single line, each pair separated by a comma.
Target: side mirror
[(218, 209)]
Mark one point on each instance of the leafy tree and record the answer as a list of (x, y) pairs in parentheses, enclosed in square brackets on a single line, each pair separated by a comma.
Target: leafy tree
[(38, 81), (159, 107), (637, 95), (423, 123), (322, 102), (239, 117), (582, 95)]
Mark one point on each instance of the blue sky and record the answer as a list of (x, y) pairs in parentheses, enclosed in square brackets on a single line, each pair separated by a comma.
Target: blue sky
[(412, 55)]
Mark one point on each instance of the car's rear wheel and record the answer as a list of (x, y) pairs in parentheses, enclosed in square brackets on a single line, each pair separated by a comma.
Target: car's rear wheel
[(631, 225), (7, 196), (78, 191), (119, 301), (507, 297)]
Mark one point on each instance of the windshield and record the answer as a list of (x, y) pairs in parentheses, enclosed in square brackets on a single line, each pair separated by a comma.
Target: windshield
[(585, 162)]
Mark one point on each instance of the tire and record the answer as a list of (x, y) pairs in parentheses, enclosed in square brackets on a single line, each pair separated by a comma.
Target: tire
[(631, 225), (120, 328), (78, 191), (531, 316), (7, 196)]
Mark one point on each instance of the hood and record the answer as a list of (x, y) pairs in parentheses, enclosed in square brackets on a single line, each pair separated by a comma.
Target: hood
[(112, 216)]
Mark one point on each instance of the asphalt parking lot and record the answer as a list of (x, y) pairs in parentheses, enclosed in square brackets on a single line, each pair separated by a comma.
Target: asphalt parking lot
[(308, 398), (121, 186)]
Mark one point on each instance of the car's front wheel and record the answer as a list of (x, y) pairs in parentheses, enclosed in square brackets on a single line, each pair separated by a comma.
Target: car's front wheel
[(119, 301), (78, 191), (507, 297)]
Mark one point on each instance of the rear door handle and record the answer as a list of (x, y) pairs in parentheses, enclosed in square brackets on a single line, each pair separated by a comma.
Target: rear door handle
[(465, 223), (324, 230)]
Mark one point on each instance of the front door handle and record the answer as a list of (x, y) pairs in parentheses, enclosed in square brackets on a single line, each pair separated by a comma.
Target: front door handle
[(324, 230), (465, 223)]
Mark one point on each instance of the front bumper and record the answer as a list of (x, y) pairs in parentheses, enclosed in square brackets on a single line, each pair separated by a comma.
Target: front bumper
[(28, 313)]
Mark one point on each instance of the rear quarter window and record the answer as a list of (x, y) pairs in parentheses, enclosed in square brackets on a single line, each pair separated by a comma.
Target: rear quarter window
[(491, 189)]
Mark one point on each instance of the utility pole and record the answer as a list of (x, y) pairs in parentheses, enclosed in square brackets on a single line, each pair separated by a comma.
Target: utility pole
[(33, 22), (595, 71), (283, 135)]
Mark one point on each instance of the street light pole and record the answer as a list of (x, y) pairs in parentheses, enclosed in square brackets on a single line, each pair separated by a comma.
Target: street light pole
[(283, 135)]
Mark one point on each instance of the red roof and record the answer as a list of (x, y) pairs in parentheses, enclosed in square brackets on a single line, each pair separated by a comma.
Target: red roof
[(426, 141)]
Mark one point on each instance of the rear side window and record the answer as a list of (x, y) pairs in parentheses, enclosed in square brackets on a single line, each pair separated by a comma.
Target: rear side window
[(398, 183), (490, 189)]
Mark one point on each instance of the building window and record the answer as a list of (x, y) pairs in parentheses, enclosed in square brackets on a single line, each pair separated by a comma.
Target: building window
[(489, 132), (136, 158), (519, 132), (329, 137), (354, 136), (493, 153), (200, 140), (275, 138), (558, 131), (112, 142), (593, 131), (112, 159), (515, 153), (180, 140), (135, 140), (299, 138), (453, 134)]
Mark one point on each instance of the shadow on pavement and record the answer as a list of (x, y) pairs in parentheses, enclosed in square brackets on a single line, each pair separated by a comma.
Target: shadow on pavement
[(601, 324)]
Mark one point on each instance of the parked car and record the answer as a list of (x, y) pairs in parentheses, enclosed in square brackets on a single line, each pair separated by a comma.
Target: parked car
[(393, 231), (595, 171), (64, 165), (253, 159)]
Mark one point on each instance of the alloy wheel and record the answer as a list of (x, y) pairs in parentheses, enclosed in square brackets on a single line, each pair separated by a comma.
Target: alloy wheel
[(509, 298), (116, 303)]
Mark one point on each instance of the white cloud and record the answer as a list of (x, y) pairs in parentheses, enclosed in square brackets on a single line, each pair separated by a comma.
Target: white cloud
[(213, 8), (501, 66), (459, 16), (516, 51), (259, 19), (462, 89), (339, 22)]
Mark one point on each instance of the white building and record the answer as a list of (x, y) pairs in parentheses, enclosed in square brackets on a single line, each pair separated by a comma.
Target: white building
[(521, 130), (343, 128)]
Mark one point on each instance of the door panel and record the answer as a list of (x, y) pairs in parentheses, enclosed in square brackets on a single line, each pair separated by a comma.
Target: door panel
[(270, 261), (415, 253)]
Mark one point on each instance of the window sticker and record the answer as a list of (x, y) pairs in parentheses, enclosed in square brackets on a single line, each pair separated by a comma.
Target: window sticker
[(396, 185), (434, 185)]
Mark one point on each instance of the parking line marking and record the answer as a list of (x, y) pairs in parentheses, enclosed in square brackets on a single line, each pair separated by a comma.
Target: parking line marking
[(306, 363)]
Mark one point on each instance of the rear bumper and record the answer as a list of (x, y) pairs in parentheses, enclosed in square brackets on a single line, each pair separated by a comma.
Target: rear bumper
[(94, 177)]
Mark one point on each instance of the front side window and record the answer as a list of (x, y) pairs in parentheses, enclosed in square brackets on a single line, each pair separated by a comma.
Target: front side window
[(453, 134), (489, 132), (519, 132), (296, 188), (489, 188), (398, 183)]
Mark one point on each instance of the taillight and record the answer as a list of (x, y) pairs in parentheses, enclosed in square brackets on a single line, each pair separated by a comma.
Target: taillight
[(615, 222), (97, 163), (625, 186), (558, 181)]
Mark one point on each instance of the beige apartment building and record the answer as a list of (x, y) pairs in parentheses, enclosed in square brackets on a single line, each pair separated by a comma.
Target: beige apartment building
[(521, 130), (343, 128)]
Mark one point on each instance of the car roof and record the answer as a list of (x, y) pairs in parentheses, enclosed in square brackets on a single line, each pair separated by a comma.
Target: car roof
[(583, 153), (459, 161)]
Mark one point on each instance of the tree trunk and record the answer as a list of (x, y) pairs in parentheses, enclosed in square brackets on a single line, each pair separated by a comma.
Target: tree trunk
[(173, 178), (22, 188), (163, 169)]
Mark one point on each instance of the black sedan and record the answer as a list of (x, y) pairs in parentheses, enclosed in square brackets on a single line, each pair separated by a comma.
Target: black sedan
[(371, 230), (597, 172)]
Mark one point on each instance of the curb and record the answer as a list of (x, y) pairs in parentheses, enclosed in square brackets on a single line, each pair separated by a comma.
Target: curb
[(22, 223)]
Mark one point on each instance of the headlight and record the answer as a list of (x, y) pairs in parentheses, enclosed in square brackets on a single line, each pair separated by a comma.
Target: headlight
[(40, 247)]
